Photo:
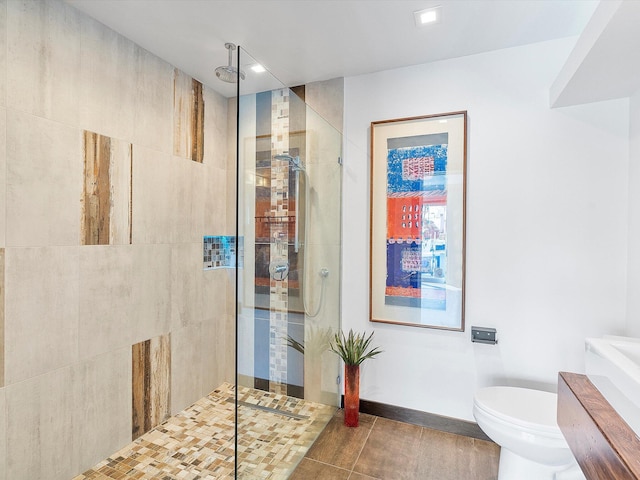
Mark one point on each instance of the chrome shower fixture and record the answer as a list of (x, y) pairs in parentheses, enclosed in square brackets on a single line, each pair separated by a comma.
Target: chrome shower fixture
[(229, 73), (294, 162)]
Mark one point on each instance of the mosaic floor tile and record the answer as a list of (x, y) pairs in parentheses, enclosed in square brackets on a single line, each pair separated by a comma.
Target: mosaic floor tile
[(198, 443)]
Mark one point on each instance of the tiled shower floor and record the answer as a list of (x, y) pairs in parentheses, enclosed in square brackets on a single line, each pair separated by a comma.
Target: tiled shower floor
[(198, 443)]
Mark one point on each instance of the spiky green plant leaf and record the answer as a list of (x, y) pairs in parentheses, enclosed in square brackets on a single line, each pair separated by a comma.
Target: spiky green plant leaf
[(353, 348)]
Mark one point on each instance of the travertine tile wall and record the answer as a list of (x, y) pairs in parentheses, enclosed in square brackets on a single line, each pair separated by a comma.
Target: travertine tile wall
[(72, 312)]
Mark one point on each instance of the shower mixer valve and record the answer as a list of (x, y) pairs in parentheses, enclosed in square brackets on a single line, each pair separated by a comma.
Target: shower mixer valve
[(279, 269)]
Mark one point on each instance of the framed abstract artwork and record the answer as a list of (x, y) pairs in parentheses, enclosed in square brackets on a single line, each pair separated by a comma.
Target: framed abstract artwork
[(417, 263)]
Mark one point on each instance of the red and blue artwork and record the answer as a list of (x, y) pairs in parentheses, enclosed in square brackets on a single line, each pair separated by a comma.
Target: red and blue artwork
[(416, 240)]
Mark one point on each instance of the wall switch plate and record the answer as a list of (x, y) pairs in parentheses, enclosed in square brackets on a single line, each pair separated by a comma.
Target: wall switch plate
[(483, 335)]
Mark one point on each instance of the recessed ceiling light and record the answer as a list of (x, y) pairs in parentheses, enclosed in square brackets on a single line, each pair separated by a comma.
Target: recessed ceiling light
[(428, 16), (258, 68)]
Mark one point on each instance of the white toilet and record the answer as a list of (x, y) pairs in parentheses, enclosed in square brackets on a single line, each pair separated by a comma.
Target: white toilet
[(523, 422)]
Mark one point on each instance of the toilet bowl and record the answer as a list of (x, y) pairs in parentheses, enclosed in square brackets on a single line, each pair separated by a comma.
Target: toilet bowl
[(523, 422)]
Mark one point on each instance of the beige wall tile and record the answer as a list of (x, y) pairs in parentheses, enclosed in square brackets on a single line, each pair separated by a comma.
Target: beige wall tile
[(218, 329), (3, 169), (215, 210), (215, 291), (153, 196), (218, 351), (229, 369), (107, 90), (216, 128), (187, 285), (180, 215), (41, 310), (44, 181), (43, 59), (106, 303), (103, 407), (2, 289), (230, 165), (323, 206), (41, 420), (327, 99), (186, 358), (181, 114), (3, 434), (150, 292), (323, 256), (73, 312), (230, 291), (153, 112), (3, 54), (198, 194), (170, 198), (322, 367)]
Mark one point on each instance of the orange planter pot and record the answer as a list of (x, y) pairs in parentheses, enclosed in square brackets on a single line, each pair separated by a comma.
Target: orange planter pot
[(351, 395)]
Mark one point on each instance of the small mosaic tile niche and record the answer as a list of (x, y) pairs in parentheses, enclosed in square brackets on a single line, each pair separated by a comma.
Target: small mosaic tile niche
[(219, 251)]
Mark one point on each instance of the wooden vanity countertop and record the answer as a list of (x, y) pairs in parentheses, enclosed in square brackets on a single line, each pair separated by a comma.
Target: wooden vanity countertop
[(603, 443)]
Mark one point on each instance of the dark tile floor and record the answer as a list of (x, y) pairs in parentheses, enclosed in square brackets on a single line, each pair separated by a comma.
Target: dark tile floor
[(384, 449)]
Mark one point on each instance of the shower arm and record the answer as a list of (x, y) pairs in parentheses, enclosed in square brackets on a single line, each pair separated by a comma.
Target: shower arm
[(231, 48)]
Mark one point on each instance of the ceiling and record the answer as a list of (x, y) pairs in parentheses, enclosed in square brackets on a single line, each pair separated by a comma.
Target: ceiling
[(302, 41)]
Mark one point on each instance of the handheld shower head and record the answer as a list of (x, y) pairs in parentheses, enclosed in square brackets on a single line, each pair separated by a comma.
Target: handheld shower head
[(229, 73)]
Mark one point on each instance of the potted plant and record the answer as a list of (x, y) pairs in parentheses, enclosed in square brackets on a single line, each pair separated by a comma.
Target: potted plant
[(353, 349)]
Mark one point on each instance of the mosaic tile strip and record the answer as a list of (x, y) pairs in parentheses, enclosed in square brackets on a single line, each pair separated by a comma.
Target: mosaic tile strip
[(279, 235), (220, 252), (198, 443)]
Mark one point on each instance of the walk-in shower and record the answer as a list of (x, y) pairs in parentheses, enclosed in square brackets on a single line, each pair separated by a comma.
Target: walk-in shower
[(288, 217)]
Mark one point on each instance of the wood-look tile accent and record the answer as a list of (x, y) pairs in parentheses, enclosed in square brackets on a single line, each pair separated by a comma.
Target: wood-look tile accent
[(1, 317), (188, 117), (151, 383), (106, 199), (96, 212), (604, 445), (197, 122)]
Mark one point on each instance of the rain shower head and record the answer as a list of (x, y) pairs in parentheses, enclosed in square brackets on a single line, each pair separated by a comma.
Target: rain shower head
[(229, 73), (294, 162)]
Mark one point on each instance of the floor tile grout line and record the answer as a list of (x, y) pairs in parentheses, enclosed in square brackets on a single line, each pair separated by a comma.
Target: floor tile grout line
[(328, 464), (375, 419)]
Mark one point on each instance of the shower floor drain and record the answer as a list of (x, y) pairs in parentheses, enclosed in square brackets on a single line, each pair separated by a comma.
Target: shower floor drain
[(269, 409)]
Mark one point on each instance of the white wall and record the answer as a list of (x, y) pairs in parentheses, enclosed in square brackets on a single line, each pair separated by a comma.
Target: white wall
[(547, 210), (633, 279)]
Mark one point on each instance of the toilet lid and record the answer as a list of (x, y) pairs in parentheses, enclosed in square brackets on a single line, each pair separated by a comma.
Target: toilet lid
[(529, 408)]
